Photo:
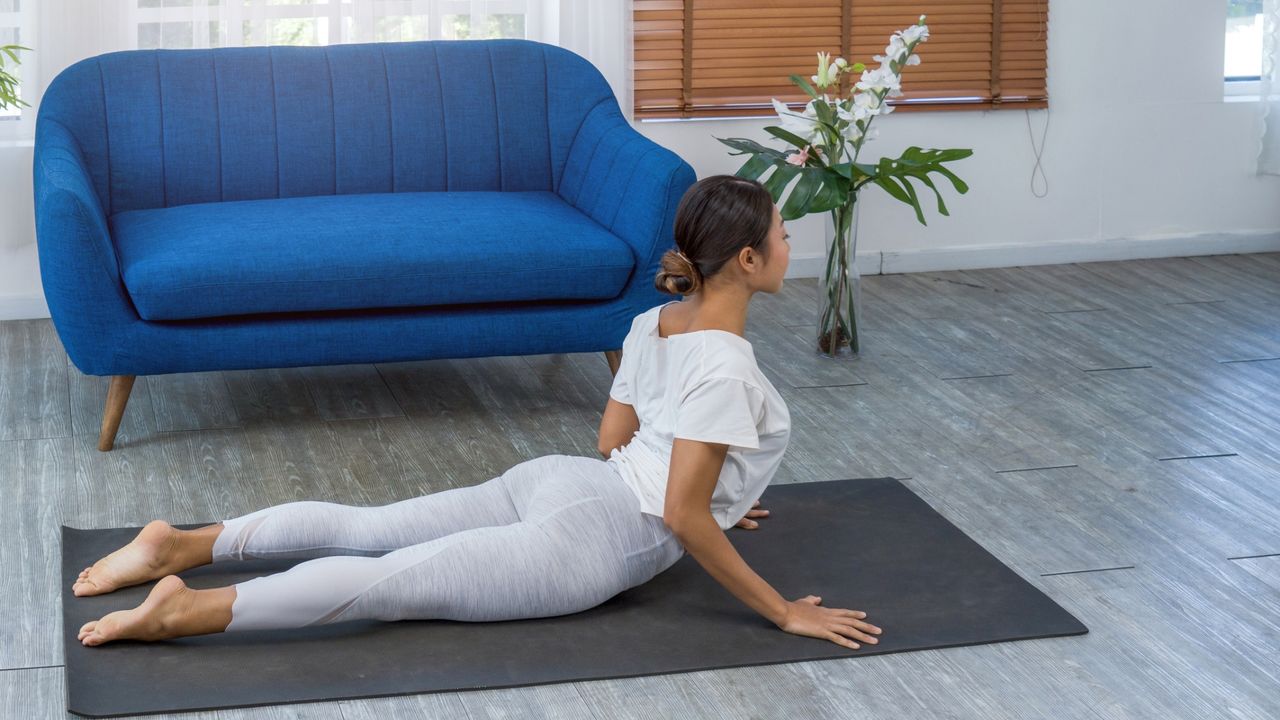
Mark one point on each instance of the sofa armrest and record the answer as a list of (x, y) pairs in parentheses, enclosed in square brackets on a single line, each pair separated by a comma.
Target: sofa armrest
[(629, 184), (79, 268)]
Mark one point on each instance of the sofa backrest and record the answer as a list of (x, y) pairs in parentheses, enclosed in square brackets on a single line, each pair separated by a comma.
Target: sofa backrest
[(159, 128)]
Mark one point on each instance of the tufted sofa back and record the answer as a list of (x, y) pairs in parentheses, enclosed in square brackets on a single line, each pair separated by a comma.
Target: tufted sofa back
[(158, 128)]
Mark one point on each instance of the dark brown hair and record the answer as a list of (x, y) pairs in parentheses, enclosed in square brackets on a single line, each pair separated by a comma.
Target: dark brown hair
[(717, 217)]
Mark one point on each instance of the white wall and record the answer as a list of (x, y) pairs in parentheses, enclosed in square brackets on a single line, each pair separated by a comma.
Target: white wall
[(20, 293), (1143, 159)]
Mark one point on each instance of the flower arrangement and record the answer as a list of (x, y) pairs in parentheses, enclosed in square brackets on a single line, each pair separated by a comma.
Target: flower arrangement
[(826, 139), (9, 83)]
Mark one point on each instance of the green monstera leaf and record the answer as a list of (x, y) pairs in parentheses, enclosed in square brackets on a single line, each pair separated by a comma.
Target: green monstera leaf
[(892, 174)]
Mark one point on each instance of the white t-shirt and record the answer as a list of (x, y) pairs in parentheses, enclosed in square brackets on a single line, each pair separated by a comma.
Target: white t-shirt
[(701, 385)]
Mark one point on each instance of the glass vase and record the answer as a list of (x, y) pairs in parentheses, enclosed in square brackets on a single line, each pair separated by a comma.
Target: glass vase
[(839, 296)]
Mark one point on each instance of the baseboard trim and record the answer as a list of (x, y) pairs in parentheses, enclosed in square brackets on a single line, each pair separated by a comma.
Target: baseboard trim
[(19, 307), (988, 256), (23, 307)]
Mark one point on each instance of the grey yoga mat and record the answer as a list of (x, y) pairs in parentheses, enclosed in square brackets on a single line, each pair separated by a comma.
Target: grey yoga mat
[(866, 544)]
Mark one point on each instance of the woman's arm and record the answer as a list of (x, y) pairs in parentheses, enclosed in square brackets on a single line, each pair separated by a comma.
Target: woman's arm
[(695, 469), (706, 542), (617, 427)]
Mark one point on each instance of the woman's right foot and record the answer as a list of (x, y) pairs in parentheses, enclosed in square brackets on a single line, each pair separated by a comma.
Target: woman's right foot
[(149, 556)]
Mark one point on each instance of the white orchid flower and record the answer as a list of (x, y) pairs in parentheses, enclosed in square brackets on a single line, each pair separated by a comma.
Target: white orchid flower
[(895, 47), (861, 111), (884, 59), (915, 33), (867, 105), (803, 124), (881, 78)]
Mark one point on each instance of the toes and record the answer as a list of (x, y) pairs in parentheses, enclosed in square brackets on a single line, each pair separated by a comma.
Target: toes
[(103, 630)]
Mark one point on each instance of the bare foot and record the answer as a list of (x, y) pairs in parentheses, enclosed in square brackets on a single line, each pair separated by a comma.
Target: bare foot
[(171, 610), (143, 559), (159, 617)]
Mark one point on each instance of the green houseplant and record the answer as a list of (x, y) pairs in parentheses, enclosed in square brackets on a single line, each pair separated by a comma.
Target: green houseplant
[(826, 139), (8, 83)]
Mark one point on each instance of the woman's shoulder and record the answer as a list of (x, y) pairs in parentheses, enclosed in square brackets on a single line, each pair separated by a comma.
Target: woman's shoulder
[(721, 354), (642, 324), (646, 321)]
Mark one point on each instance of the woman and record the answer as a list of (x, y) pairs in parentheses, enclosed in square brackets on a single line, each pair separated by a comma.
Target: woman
[(699, 432)]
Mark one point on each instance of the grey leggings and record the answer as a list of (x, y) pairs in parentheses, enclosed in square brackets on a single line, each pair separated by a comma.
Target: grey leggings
[(551, 536)]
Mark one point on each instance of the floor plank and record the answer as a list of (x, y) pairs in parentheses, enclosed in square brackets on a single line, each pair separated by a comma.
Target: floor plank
[(35, 473)]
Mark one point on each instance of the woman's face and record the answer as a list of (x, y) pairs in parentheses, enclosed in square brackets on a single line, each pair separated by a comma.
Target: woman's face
[(779, 254)]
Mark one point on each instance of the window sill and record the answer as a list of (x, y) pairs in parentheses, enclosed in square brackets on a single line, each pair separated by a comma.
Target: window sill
[(1242, 90), (768, 118)]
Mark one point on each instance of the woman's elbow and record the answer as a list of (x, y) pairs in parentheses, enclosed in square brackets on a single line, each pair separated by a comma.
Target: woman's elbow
[(680, 522)]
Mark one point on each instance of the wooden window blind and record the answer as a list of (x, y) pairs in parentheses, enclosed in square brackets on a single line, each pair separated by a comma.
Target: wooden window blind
[(717, 58)]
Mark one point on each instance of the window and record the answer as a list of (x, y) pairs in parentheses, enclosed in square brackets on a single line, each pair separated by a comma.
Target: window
[(1242, 59), (17, 28), (10, 34), (720, 58), (217, 23)]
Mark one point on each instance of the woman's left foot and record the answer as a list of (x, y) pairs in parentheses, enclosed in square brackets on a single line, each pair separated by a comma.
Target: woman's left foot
[(147, 557), (161, 616)]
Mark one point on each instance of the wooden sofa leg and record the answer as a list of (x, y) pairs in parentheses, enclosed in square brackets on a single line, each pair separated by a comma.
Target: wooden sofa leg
[(614, 357), (117, 398)]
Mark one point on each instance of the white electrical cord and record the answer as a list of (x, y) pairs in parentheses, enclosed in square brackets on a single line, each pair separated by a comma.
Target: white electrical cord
[(1037, 168)]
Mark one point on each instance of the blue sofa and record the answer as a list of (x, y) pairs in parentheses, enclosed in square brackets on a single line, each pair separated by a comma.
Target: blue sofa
[(287, 206)]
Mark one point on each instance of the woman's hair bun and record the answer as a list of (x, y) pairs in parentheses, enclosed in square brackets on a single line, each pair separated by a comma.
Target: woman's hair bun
[(678, 275)]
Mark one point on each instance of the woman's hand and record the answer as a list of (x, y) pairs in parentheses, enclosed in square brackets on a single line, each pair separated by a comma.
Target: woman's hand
[(752, 513), (804, 617)]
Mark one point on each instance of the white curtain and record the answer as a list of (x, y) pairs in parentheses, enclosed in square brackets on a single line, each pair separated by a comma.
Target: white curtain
[(1269, 100), (69, 30), (601, 31)]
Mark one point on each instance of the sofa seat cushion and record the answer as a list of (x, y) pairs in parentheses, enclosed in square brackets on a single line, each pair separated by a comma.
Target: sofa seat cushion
[(376, 250)]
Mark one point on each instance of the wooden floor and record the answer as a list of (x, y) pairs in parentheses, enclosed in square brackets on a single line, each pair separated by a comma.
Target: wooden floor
[(1109, 430)]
